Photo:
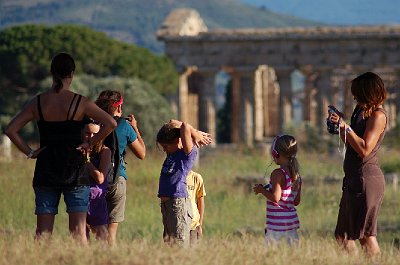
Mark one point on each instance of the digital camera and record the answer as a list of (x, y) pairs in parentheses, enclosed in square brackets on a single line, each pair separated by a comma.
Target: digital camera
[(267, 186), (128, 118), (332, 128)]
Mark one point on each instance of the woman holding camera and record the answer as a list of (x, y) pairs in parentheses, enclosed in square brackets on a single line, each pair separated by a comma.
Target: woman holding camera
[(363, 183)]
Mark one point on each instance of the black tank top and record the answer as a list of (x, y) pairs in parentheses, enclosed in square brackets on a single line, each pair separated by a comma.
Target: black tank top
[(58, 164)]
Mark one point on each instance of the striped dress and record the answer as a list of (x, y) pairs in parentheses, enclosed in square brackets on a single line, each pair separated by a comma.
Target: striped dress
[(282, 216)]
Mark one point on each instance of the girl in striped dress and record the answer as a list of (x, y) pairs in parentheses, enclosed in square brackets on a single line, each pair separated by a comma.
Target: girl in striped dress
[(282, 193)]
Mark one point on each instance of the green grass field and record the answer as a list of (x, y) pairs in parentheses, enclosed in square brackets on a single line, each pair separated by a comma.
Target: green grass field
[(234, 217)]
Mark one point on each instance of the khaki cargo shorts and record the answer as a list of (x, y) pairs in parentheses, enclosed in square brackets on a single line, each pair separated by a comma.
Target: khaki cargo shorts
[(116, 198), (177, 217)]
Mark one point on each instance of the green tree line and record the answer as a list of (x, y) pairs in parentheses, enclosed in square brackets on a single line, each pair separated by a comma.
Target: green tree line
[(26, 52)]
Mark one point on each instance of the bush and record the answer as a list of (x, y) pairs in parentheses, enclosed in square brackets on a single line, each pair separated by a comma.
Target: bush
[(26, 52)]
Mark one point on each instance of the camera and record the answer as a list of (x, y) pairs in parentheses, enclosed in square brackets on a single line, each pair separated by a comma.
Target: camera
[(128, 118), (267, 186), (332, 128)]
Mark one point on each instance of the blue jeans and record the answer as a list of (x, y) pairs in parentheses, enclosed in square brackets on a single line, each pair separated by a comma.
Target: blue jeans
[(48, 198)]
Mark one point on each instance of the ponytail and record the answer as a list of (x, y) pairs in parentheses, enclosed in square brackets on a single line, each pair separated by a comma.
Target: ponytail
[(58, 83), (62, 66), (294, 171), (286, 145)]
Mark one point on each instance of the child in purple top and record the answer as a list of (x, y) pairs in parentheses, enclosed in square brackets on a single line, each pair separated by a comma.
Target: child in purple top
[(98, 165), (179, 140)]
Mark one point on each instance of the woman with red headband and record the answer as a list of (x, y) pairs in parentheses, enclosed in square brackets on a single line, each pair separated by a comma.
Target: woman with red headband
[(59, 113), (128, 136)]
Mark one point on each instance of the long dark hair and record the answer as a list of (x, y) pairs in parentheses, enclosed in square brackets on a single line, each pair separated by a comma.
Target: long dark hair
[(369, 91), (62, 66)]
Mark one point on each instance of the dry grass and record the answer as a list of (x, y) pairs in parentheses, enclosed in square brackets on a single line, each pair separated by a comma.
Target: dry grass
[(234, 219)]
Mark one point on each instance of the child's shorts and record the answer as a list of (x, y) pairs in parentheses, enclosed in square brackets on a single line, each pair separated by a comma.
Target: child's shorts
[(177, 217), (116, 199), (274, 237), (47, 199)]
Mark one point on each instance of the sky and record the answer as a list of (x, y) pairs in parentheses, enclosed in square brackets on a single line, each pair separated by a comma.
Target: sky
[(338, 12)]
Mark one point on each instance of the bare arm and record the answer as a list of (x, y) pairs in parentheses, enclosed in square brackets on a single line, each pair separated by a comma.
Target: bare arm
[(93, 111), (191, 136), (200, 207), (99, 174), (26, 115), (277, 182), (137, 147), (374, 128)]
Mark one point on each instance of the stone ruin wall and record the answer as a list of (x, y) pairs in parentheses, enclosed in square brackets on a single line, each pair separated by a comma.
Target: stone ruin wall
[(260, 63)]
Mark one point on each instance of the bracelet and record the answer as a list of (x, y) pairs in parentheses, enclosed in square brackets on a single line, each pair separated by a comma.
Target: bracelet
[(30, 154), (349, 129), (87, 160)]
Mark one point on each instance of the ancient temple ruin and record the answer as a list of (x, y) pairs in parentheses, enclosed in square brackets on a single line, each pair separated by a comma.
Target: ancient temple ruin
[(279, 76)]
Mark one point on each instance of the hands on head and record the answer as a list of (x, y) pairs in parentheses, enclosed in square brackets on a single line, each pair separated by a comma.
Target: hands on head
[(201, 139)]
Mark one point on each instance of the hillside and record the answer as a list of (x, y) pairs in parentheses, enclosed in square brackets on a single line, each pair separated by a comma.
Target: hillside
[(340, 12), (135, 21)]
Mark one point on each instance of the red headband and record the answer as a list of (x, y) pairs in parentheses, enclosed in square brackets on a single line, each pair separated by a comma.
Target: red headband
[(116, 104)]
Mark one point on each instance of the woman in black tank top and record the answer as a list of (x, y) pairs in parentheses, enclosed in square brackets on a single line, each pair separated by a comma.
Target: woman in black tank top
[(363, 184), (59, 113)]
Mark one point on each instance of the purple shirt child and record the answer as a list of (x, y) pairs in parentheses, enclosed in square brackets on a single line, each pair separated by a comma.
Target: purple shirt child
[(98, 211), (173, 174)]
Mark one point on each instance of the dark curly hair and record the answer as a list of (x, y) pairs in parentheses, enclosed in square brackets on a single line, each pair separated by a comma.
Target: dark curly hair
[(106, 99)]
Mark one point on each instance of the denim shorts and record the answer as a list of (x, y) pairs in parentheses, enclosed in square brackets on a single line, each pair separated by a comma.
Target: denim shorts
[(48, 198)]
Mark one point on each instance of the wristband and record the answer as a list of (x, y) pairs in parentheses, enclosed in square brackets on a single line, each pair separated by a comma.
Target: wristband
[(87, 160), (30, 154), (349, 129)]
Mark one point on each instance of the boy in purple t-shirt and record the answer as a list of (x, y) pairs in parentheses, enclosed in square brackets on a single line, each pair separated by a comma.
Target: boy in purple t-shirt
[(179, 140)]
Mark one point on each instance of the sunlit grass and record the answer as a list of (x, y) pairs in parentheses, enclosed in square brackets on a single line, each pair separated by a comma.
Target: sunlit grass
[(234, 217)]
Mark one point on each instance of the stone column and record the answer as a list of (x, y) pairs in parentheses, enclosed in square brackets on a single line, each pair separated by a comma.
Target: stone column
[(5, 148), (207, 110), (273, 93), (247, 118), (325, 97), (310, 92), (183, 103), (235, 108), (260, 89), (284, 80), (248, 125), (391, 109)]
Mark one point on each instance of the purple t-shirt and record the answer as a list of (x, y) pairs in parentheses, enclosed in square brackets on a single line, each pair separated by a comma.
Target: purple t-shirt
[(173, 174), (97, 211)]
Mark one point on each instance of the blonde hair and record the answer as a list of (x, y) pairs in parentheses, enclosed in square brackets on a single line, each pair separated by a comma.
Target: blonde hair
[(286, 145)]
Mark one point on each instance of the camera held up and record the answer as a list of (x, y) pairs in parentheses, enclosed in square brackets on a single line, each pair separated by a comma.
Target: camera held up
[(332, 128)]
